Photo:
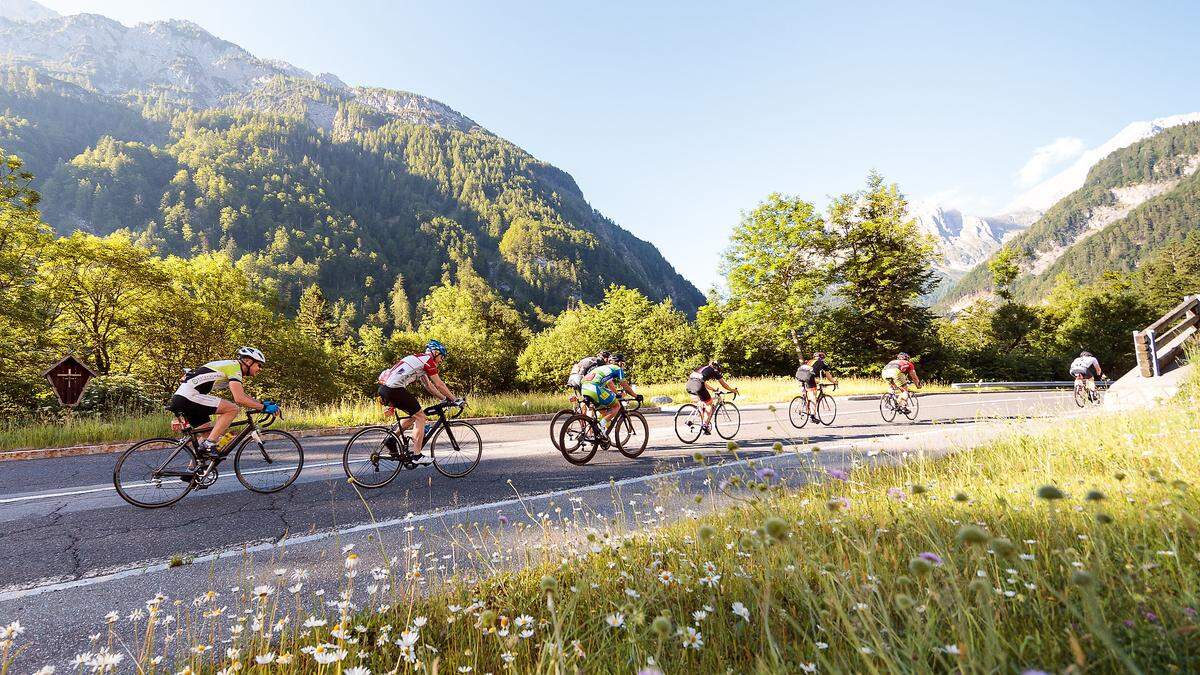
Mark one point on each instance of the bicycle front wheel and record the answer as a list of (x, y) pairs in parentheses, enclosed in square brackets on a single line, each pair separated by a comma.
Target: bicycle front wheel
[(154, 473), (727, 419), (687, 423), (826, 409), (556, 423), (798, 412), (579, 439), (914, 406), (372, 457), (888, 407), (268, 461), (456, 449), (631, 434)]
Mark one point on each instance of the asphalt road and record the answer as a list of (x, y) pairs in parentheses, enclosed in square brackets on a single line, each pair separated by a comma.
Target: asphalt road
[(71, 549)]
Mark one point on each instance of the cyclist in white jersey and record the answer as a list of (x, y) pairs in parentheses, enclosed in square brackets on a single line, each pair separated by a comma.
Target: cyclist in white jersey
[(195, 402), (393, 391), (1086, 368)]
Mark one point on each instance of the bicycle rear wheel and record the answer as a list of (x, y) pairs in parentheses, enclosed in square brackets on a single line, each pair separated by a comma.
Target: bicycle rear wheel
[(1080, 396), (727, 419), (687, 423), (826, 409), (268, 461), (579, 439), (888, 407), (456, 449), (154, 473), (631, 434), (372, 457), (556, 422), (798, 412)]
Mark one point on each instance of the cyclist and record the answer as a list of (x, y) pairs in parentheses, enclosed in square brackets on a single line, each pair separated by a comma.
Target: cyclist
[(393, 391), (604, 383), (1086, 368), (808, 373), (194, 401), (899, 373), (698, 386), (586, 365)]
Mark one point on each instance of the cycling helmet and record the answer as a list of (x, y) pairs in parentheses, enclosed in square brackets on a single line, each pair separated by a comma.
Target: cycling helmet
[(713, 364), (902, 355), (435, 347), (252, 353), (604, 355), (618, 357), (1085, 353), (819, 355)]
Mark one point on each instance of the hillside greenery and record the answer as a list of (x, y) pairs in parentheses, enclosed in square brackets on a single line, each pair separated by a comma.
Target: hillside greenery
[(352, 203), (1169, 158)]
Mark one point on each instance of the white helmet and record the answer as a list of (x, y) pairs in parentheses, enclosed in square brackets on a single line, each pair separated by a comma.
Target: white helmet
[(252, 353)]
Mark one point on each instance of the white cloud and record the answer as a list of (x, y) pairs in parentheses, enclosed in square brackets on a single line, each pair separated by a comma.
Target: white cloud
[(1049, 156)]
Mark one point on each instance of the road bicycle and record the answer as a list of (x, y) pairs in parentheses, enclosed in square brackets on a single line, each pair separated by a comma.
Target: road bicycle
[(158, 472), (1083, 396), (376, 454), (726, 418), (890, 406), (583, 433), (822, 409), (565, 414)]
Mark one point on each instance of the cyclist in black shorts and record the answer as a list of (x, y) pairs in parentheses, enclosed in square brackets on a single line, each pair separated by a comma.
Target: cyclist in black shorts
[(698, 386), (393, 390), (809, 372)]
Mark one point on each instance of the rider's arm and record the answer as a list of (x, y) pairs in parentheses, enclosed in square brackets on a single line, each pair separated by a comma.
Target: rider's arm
[(437, 387), (727, 386), (240, 397), (628, 388)]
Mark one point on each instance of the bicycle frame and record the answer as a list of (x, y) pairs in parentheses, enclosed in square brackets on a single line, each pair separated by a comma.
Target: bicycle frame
[(192, 443)]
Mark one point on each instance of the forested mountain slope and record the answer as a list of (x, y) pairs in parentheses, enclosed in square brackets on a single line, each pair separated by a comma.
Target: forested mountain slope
[(1133, 203), (194, 145)]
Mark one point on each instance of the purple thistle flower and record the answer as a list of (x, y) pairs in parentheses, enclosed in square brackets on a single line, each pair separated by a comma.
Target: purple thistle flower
[(897, 493), (931, 557), (838, 474), (1151, 617), (503, 519), (1032, 671), (1128, 623), (1189, 612), (765, 474)]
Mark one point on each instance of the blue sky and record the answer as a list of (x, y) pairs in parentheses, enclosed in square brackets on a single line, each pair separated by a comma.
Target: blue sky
[(675, 117)]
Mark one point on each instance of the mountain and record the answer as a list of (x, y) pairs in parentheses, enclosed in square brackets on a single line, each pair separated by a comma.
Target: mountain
[(1133, 203), (192, 144)]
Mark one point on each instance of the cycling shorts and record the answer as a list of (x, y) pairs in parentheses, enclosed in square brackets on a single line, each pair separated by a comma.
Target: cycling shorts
[(895, 376), (196, 414), (601, 396), (400, 397), (695, 387), (1089, 373)]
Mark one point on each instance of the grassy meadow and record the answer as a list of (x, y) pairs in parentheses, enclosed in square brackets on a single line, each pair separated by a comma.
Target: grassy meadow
[(1070, 549)]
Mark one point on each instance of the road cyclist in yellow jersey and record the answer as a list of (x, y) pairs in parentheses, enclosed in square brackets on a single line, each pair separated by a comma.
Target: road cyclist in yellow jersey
[(195, 402)]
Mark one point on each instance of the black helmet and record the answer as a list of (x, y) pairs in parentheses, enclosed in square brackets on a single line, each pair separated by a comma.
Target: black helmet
[(714, 364), (603, 353), (820, 355), (618, 357), (1085, 353)]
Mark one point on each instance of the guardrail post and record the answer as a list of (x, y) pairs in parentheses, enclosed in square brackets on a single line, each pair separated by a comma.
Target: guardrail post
[(1143, 350)]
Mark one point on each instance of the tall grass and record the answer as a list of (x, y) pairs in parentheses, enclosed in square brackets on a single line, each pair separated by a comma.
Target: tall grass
[(1072, 549), (355, 412)]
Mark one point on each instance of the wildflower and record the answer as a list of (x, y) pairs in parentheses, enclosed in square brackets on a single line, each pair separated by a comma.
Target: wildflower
[(740, 610), (866, 650), (951, 649), (351, 561), (264, 659), (615, 620), (838, 474), (822, 645), (508, 657), (112, 617), (314, 622), (692, 638), (765, 474), (837, 504), (666, 577), (808, 667), (699, 615), (285, 658), (357, 670), (44, 670), (263, 592), (892, 493), (632, 593)]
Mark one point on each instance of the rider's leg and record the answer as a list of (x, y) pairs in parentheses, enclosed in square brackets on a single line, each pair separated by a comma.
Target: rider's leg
[(227, 412), (417, 424)]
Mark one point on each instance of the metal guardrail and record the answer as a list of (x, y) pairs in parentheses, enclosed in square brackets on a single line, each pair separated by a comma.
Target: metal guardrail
[(1064, 384), (1162, 342)]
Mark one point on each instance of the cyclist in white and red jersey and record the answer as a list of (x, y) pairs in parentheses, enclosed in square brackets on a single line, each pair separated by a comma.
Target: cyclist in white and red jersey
[(393, 391), (899, 373)]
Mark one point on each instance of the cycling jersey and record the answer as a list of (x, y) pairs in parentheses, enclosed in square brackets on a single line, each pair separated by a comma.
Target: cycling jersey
[(1085, 365), (602, 375), (706, 373), (198, 384), (901, 370), (809, 371), (407, 370), (585, 366)]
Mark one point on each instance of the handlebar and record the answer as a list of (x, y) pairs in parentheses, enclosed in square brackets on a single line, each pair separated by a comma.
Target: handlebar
[(438, 408), (722, 393), (626, 399)]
